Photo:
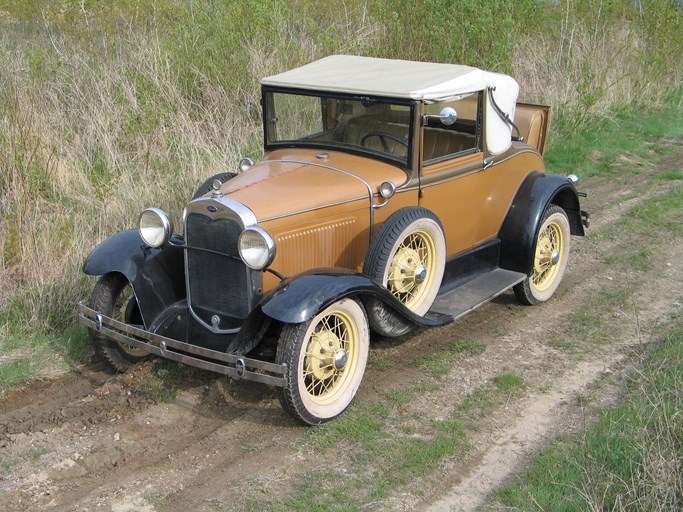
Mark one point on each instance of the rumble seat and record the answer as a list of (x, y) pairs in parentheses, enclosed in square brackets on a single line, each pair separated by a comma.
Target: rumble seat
[(531, 121), (438, 143)]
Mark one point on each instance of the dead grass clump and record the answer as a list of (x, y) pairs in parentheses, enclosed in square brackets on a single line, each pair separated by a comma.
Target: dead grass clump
[(603, 57)]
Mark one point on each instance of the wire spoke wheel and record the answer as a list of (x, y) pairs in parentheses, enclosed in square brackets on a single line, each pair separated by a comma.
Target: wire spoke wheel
[(408, 256), (326, 359), (113, 296), (548, 251), (550, 258), (410, 269), (334, 341), (126, 310)]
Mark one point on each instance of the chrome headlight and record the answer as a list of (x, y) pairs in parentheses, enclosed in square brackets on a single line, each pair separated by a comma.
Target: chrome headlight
[(156, 227), (257, 248)]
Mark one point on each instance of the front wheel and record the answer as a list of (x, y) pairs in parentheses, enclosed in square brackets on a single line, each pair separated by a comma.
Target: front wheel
[(550, 258), (325, 360), (207, 186), (113, 296)]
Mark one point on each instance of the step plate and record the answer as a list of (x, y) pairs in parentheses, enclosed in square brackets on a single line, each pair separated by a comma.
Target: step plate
[(477, 292)]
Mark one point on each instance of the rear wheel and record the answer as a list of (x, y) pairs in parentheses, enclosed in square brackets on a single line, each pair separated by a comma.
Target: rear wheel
[(113, 296), (550, 258), (325, 360)]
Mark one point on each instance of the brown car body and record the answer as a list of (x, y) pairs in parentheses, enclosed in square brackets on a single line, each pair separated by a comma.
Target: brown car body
[(374, 195)]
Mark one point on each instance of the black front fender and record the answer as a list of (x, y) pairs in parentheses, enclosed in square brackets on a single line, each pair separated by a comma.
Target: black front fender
[(156, 275), (520, 228), (300, 298)]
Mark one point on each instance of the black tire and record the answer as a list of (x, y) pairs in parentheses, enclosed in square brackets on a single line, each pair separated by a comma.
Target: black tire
[(207, 185), (113, 297), (408, 256), (383, 320), (325, 360), (551, 252)]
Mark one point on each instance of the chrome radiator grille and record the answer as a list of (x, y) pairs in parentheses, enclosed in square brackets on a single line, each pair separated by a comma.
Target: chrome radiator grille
[(219, 283)]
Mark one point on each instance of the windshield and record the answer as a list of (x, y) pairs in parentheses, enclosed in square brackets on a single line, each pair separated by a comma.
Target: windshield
[(376, 126)]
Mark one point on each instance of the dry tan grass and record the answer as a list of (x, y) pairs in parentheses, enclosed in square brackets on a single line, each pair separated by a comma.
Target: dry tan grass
[(587, 72), (86, 143)]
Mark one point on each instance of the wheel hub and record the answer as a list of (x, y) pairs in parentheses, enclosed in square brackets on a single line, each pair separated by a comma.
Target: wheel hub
[(420, 274), (340, 359), (406, 271), (554, 257), (324, 355)]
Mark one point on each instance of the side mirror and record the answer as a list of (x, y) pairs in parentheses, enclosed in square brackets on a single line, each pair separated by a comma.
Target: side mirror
[(447, 116)]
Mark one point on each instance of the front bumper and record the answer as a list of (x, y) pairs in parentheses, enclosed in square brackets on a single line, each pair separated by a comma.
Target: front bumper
[(234, 366)]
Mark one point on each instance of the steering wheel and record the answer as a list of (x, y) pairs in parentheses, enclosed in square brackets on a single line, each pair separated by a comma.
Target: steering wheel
[(383, 136)]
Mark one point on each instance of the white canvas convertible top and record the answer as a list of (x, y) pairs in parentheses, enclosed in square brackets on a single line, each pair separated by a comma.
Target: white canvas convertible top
[(421, 81)]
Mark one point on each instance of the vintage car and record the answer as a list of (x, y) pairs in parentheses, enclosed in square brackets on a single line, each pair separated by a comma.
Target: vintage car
[(392, 195)]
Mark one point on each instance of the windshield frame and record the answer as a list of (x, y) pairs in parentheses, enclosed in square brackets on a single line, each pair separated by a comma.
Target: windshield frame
[(404, 162)]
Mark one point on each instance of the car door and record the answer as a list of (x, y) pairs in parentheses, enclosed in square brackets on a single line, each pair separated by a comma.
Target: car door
[(452, 184)]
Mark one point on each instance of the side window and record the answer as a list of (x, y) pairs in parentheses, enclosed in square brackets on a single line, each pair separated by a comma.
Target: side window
[(441, 142)]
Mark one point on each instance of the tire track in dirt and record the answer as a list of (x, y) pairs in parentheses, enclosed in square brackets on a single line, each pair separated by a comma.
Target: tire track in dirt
[(536, 421), (513, 436)]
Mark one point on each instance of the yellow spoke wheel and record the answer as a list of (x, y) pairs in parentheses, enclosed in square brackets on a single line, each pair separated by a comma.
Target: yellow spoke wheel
[(325, 359), (126, 310), (412, 270), (408, 256), (551, 253), (113, 296)]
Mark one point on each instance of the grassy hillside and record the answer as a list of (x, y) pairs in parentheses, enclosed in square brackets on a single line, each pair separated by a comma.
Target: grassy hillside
[(109, 107)]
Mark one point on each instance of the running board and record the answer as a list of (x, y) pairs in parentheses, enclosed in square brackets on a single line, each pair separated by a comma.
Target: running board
[(477, 292)]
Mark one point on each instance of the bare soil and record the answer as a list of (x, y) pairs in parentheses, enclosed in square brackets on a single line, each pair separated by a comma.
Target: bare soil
[(91, 441)]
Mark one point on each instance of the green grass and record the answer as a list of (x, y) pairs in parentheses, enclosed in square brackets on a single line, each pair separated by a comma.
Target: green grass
[(641, 260), (592, 324), (674, 174), (483, 399), (509, 383), (379, 434), (15, 372), (439, 365), (631, 459), (30, 352), (367, 428), (616, 145), (163, 382), (469, 347), (660, 212)]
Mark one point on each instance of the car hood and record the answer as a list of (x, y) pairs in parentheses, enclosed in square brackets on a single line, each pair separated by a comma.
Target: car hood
[(290, 181)]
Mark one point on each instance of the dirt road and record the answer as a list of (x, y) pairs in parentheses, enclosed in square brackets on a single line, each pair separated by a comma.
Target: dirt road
[(92, 441)]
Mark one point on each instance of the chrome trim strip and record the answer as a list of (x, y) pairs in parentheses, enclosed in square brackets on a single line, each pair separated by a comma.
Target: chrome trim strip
[(451, 178), (289, 214), (237, 367), (241, 212), (226, 208)]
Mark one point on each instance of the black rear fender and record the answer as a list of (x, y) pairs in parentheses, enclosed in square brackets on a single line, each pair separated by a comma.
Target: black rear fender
[(520, 228)]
